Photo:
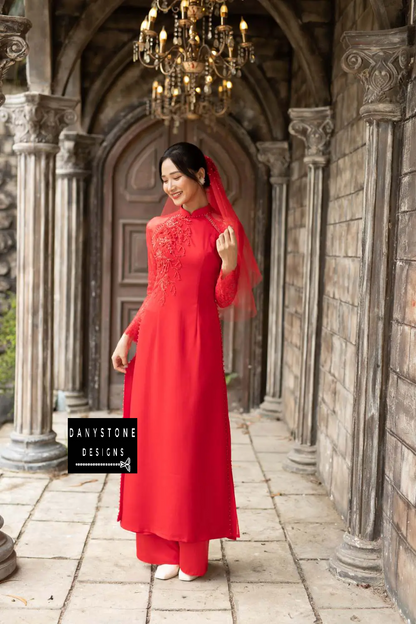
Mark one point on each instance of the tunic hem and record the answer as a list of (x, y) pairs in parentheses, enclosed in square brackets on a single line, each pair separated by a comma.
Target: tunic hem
[(181, 539)]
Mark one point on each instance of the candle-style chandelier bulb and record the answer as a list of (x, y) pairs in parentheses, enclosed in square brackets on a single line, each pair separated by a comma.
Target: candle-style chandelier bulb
[(223, 13), (200, 55), (243, 29), (162, 40), (184, 7)]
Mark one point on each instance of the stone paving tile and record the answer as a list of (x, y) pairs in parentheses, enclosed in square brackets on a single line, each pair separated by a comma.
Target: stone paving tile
[(37, 580), (188, 596), (252, 496), (107, 603), (365, 616), (14, 517), (273, 444), (272, 461), (290, 483), (330, 592), (242, 452), (77, 483), (259, 524), (306, 508), (215, 552), (191, 617), (21, 490), (264, 579), (261, 562), (244, 472), (110, 495), (258, 603), (107, 527), (40, 616), (271, 428), (52, 539), (113, 560), (315, 541), (240, 437), (67, 506)]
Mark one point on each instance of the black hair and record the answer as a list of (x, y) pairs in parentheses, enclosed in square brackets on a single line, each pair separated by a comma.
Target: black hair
[(188, 158)]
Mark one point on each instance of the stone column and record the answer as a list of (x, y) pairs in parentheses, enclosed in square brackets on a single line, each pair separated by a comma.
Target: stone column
[(275, 154), (13, 48), (380, 60), (37, 121), (72, 170), (314, 126)]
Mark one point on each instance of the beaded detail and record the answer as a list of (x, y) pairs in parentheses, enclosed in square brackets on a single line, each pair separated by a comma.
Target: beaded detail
[(169, 241), (211, 220), (166, 244)]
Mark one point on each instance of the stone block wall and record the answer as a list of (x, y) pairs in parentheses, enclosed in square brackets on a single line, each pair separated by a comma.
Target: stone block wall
[(399, 503), (341, 265)]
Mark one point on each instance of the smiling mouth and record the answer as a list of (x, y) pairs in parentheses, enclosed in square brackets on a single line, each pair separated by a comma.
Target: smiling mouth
[(176, 195)]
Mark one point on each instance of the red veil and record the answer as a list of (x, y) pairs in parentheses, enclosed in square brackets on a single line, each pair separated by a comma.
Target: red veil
[(243, 306)]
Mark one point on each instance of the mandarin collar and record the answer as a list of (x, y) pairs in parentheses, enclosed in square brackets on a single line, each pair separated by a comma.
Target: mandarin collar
[(199, 212)]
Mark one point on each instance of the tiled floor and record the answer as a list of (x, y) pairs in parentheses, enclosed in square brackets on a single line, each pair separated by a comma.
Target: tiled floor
[(76, 565)]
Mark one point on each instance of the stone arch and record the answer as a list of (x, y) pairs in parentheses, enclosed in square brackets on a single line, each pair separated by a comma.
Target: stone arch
[(281, 11), (103, 83), (253, 78)]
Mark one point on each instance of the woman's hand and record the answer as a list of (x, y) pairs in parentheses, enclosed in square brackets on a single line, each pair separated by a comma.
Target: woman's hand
[(119, 357), (227, 249)]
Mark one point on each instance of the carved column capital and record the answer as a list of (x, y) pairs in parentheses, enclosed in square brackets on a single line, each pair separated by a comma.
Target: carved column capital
[(37, 118), (77, 152), (381, 61), (314, 126), (275, 154), (13, 46)]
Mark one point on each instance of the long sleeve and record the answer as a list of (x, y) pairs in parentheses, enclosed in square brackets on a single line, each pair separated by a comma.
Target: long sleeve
[(226, 287), (133, 328)]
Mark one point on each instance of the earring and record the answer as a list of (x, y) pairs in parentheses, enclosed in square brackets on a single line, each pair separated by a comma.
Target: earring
[(202, 181)]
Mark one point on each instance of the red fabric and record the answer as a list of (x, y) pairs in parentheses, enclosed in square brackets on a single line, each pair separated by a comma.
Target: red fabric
[(175, 387), (243, 305), (192, 558)]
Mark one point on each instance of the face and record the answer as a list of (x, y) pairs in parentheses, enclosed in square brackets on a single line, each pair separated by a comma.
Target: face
[(177, 185)]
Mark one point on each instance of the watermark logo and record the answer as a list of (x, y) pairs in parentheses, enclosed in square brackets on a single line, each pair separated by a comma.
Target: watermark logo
[(102, 445)]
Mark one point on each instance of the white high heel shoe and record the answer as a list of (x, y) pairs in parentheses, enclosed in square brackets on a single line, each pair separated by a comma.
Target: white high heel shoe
[(166, 571), (186, 577)]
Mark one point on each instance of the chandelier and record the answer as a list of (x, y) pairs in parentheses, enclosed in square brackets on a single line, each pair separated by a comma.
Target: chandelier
[(198, 67)]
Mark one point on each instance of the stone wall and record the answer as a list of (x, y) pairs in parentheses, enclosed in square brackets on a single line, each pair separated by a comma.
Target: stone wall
[(341, 265), (399, 517)]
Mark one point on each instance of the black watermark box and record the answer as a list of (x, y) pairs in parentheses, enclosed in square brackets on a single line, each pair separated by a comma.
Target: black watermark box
[(102, 445)]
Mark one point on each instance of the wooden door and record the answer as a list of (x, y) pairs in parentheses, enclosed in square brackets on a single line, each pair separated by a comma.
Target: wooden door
[(136, 197)]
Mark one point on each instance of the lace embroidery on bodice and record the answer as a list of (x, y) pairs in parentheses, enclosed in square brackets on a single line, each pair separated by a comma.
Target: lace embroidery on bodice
[(169, 243), (166, 245)]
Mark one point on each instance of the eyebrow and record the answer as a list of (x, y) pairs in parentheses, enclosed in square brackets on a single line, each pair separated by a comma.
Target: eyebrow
[(171, 173)]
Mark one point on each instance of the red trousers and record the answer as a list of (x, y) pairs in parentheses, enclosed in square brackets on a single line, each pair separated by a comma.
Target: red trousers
[(192, 557)]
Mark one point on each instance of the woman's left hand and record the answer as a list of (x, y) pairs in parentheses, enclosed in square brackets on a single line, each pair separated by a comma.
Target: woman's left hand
[(227, 249)]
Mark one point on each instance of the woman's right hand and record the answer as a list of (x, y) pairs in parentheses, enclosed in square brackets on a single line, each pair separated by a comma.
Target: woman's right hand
[(119, 357)]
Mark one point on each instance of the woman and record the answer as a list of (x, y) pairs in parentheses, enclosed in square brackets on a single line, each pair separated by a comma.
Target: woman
[(201, 270)]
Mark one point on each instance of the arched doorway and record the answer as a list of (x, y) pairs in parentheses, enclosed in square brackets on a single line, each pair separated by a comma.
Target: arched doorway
[(133, 195)]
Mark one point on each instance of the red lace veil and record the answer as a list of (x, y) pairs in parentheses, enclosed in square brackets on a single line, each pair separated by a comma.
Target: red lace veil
[(243, 307)]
